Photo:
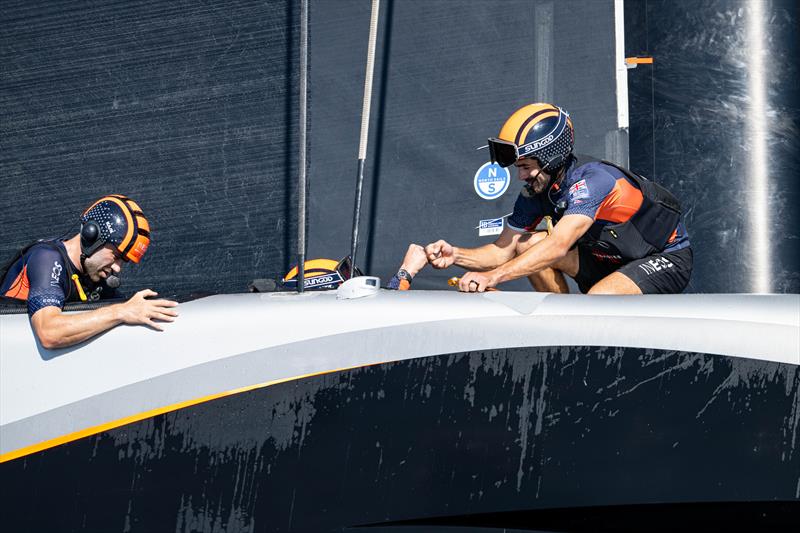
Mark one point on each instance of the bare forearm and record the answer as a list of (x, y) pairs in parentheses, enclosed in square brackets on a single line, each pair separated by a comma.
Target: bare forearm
[(61, 330), (58, 330), (482, 258), (538, 257)]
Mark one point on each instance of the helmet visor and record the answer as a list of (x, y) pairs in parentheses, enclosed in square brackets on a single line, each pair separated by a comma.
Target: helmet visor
[(345, 267), (502, 152)]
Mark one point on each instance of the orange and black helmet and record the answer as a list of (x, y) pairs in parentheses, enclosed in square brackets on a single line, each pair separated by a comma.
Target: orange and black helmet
[(321, 274), (116, 220), (540, 131)]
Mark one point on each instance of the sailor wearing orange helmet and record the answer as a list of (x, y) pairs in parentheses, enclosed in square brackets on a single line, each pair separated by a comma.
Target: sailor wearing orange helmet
[(48, 273), (612, 231)]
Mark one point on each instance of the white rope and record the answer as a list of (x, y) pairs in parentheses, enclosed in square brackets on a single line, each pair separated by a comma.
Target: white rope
[(373, 35)]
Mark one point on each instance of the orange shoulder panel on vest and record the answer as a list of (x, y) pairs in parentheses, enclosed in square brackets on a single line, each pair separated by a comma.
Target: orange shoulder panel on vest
[(621, 203)]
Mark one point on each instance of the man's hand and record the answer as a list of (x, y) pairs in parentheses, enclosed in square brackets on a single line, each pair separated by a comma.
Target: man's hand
[(56, 329), (414, 260), (139, 310), (477, 282), (440, 254)]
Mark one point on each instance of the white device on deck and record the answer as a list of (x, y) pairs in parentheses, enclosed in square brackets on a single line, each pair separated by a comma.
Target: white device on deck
[(358, 287)]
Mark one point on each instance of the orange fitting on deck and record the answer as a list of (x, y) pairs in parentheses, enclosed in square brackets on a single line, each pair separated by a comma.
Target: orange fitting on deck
[(638, 60)]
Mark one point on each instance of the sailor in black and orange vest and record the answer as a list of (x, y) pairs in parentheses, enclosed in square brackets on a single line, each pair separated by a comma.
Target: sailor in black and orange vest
[(84, 267), (612, 231)]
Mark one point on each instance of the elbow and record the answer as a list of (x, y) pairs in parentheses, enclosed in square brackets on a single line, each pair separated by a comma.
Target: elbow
[(50, 341), (49, 329), (47, 343)]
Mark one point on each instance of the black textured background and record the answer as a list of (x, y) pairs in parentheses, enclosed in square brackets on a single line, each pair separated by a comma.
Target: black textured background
[(191, 109), (188, 107)]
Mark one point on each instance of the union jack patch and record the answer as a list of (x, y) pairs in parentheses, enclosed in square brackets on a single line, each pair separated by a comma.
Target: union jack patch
[(578, 190)]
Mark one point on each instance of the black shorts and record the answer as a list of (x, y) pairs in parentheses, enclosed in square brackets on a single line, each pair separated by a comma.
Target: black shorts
[(661, 273)]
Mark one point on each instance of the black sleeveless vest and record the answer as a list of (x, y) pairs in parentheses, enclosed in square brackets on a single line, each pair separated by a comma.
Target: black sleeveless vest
[(647, 231)]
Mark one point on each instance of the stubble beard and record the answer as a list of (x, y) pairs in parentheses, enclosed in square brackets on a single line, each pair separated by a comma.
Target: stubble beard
[(539, 183)]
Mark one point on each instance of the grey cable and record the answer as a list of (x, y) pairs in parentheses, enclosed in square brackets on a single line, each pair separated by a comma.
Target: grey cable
[(365, 113), (301, 209)]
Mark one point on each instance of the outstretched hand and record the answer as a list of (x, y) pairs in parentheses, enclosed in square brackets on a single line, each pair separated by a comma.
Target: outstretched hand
[(139, 310), (440, 254)]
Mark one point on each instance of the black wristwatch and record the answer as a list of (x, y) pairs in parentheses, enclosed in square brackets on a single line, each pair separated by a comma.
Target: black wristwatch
[(403, 274)]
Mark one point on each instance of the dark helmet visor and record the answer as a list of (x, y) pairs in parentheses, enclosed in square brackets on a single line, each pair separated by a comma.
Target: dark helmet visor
[(344, 268), (502, 152)]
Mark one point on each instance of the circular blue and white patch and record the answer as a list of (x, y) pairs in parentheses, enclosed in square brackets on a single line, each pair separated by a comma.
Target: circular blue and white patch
[(491, 181)]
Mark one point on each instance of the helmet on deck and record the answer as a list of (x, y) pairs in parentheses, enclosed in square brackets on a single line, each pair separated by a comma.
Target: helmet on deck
[(540, 131), (322, 274), (116, 220)]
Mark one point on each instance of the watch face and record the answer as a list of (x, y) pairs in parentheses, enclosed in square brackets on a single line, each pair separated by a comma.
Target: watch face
[(402, 274)]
